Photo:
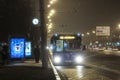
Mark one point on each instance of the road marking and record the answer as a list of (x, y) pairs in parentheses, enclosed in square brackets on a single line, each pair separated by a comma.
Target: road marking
[(55, 71)]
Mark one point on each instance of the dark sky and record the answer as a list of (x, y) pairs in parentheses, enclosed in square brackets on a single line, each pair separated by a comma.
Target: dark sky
[(15, 18), (85, 15), (70, 16)]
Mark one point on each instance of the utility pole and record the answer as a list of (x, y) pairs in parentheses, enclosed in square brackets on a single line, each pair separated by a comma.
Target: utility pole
[(43, 36)]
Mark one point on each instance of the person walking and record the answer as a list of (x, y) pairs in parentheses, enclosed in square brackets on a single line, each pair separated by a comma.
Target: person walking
[(37, 53), (6, 53), (3, 55)]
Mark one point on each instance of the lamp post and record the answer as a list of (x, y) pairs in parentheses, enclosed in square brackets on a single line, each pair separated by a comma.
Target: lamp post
[(43, 34)]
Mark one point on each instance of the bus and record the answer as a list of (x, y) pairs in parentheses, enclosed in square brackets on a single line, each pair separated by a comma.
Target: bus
[(66, 49)]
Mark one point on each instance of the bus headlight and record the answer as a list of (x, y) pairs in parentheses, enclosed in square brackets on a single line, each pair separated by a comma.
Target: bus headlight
[(57, 59), (78, 59)]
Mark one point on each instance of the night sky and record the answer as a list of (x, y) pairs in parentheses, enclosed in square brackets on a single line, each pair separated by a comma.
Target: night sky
[(15, 18), (85, 15), (71, 15)]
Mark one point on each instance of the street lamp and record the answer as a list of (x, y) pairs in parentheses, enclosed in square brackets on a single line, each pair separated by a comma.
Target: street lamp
[(83, 35), (48, 5), (119, 26), (51, 12), (43, 32), (93, 32), (88, 33), (35, 21)]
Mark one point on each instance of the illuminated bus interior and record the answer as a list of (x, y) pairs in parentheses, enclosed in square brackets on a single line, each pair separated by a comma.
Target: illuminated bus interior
[(66, 43)]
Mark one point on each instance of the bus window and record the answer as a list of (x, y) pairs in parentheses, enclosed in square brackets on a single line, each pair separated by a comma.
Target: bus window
[(59, 45)]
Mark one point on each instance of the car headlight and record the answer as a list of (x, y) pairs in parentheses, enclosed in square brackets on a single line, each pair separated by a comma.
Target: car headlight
[(78, 59), (57, 59)]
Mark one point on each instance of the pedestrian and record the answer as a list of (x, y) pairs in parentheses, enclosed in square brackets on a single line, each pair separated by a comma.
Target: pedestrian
[(37, 53), (6, 50), (3, 55), (84, 47)]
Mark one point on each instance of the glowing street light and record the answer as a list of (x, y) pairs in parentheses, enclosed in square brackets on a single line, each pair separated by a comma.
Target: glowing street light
[(48, 5), (119, 26), (88, 33), (50, 20), (35, 21), (49, 31), (51, 12), (93, 32), (50, 26), (52, 1), (83, 35)]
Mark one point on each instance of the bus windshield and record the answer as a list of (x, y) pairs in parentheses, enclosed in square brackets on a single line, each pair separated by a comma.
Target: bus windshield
[(66, 42), (67, 45)]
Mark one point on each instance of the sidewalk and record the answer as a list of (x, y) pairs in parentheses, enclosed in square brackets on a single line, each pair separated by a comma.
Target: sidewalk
[(27, 70)]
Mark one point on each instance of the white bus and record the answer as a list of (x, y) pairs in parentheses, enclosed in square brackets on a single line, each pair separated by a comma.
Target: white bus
[(66, 49)]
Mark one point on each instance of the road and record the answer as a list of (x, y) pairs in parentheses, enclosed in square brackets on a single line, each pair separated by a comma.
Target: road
[(98, 65)]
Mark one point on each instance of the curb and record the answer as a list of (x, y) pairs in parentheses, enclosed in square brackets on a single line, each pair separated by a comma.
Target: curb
[(55, 71)]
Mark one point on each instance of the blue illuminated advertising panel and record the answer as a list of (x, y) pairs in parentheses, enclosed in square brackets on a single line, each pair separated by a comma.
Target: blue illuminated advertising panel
[(28, 49), (17, 46)]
